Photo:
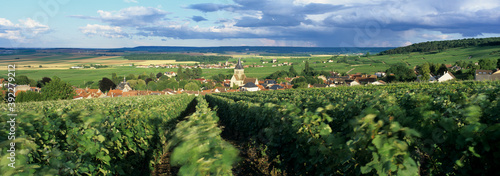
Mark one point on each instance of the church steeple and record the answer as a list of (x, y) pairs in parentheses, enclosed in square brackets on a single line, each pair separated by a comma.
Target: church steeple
[(239, 66)]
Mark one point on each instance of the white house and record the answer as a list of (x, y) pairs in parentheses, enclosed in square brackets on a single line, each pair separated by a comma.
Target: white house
[(380, 74), (250, 86), (354, 83), (380, 82), (445, 77)]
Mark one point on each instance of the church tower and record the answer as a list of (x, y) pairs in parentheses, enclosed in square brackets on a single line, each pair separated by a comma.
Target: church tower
[(239, 74)]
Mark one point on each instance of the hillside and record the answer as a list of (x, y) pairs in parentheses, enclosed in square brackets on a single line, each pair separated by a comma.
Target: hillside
[(439, 46)]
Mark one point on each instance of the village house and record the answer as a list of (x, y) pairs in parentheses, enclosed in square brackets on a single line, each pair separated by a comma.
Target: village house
[(380, 74), (380, 82), (446, 76), (487, 75), (250, 86)]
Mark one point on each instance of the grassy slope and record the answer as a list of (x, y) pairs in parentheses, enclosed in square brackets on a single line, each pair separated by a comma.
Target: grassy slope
[(77, 77)]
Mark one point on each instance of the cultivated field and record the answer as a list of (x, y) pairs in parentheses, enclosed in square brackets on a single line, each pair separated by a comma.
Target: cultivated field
[(65, 61)]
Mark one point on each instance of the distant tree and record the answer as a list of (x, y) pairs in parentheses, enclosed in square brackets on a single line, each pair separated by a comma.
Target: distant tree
[(292, 72), (191, 86), (130, 77), (280, 80), (434, 68), (33, 82), (148, 80), (162, 85), (88, 83), (22, 80), (173, 85), (299, 80), (313, 80), (498, 63), (164, 78), (300, 85), (45, 80), (152, 86), (307, 70), (114, 78), (106, 84), (425, 72), (181, 75), (188, 73), (208, 85), (132, 83), (220, 77), (278, 74), (442, 69), (183, 83), (197, 72), (487, 64), (143, 76), (401, 73), (159, 74), (58, 90), (367, 54)]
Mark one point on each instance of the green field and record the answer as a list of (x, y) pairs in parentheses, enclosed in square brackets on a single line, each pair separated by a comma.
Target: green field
[(363, 64)]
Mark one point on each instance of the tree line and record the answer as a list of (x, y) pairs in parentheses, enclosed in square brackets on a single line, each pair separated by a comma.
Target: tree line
[(155, 82), (438, 46)]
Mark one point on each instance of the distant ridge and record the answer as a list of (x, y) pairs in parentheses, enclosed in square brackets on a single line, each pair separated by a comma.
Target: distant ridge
[(257, 49), (438, 46)]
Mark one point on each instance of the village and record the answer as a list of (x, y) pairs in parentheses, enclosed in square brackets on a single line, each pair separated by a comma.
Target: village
[(240, 82)]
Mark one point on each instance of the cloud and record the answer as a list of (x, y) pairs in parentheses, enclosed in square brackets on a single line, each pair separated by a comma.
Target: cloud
[(103, 30), (132, 16), (447, 16), (130, 1), (22, 32), (273, 13), (211, 7), (198, 18), (354, 23)]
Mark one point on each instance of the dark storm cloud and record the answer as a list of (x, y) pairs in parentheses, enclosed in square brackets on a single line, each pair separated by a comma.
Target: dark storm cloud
[(198, 18)]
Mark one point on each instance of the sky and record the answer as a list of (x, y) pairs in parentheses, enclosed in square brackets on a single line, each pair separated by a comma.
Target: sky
[(309, 23)]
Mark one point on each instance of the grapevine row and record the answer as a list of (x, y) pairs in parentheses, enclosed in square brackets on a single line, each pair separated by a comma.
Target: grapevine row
[(198, 147), (399, 129), (122, 136)]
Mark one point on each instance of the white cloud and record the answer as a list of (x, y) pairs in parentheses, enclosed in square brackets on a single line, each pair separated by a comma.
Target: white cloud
[(131, 1), (132, 16), (23, 31), (407, 43), (103, 30)]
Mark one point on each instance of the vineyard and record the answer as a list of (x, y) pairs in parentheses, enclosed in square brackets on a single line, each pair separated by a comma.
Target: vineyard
[(397, 129)]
